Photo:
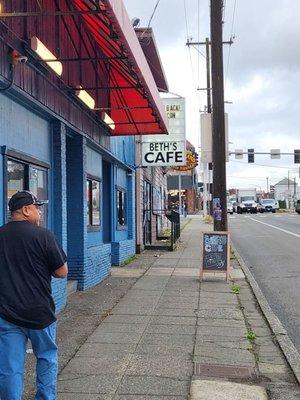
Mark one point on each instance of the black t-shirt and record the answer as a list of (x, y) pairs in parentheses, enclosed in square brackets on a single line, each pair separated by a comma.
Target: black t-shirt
[(29, 254)]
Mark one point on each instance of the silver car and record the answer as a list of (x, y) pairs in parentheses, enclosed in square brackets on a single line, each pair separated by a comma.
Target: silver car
[(268, 205)]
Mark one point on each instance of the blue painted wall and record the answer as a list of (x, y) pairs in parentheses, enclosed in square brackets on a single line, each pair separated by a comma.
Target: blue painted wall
[(124, 149), (25, 132), (90, 253), (123, 245), (98, 254)]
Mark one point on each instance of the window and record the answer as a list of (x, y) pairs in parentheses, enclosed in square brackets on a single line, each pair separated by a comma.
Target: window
[(93, 202), (121, 208), (24, 176)]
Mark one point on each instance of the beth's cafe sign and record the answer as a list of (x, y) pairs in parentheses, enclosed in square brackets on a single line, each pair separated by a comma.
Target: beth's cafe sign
[(167, 150)]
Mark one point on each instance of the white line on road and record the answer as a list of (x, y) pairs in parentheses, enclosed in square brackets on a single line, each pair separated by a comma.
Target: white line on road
[(276, 227)]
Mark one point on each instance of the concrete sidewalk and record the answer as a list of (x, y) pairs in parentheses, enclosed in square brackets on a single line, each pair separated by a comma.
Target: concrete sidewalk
[(152, 331)]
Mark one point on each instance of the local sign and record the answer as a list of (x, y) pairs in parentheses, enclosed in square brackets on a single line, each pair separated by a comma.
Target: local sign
[(167, 150), (191, 162)]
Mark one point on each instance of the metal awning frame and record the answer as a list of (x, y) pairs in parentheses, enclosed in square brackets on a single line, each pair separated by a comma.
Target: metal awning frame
[(117, 63)]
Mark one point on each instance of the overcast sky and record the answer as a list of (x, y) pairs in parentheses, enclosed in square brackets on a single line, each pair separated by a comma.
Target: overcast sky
[(263, 77)]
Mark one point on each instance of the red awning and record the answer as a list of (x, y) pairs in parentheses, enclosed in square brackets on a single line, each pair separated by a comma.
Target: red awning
[(148, 44), (135, 105)]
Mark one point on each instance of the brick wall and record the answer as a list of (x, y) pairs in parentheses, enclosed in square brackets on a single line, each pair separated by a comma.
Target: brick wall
[(59, 286), (122, 250), (76, 210), (96, 267)]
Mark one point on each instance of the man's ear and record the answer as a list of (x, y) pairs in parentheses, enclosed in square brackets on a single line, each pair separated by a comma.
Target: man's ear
[(25, 211)]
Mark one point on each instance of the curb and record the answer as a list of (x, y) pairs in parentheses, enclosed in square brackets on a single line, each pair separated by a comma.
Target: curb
[(287, 346)]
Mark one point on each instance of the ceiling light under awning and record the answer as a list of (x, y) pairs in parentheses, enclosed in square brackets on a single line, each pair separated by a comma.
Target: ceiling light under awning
[(108, 121), (86, 98), (45, 54)]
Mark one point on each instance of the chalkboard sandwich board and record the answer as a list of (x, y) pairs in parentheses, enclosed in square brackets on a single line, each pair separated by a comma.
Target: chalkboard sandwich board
[(215, 253)]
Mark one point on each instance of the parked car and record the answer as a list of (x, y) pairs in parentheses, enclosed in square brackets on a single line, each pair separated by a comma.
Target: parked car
[(230, 208), (247, 206), (235, 205), (268, 205), (297, 206)]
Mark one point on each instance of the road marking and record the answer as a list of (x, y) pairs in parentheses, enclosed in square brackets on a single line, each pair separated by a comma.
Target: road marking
[(276, 227)]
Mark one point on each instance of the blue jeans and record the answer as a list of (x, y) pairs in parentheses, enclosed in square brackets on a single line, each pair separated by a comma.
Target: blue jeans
[(13, 341)]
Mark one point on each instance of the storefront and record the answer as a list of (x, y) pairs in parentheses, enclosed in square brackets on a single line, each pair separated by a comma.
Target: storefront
[(151, 182), (68, 116)]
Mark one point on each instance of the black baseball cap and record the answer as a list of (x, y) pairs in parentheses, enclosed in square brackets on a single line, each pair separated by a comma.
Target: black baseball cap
[(24, 198)]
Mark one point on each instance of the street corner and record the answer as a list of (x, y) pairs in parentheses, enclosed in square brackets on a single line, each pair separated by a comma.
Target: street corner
[(222, 390)]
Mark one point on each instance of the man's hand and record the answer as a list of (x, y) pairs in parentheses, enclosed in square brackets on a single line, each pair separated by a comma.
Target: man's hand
[(61, 272)]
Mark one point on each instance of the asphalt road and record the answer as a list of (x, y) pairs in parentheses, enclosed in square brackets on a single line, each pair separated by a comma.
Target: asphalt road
[(270, 246)]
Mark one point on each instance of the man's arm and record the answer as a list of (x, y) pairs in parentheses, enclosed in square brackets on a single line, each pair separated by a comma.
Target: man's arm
[(61, 272)]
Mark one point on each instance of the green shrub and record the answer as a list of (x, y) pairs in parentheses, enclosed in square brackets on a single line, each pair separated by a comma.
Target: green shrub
[(282, 204)]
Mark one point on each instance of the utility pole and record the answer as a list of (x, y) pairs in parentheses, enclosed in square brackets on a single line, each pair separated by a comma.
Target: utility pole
[(209, 110), (267, 185), (218, 120)]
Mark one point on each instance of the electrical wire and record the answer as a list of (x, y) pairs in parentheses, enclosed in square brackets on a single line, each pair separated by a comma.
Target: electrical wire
[(231, 36), (187, 35), (224, 12), (152, 15), (200, 52)]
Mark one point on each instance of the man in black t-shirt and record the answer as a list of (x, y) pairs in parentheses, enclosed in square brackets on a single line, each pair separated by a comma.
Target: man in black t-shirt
[(29, 257)]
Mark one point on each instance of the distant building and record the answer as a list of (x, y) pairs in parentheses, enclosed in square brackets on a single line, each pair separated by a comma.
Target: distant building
[(286, 189), (189, 187)]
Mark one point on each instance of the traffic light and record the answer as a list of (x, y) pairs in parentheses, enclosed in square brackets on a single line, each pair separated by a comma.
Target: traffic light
[(250, 155), (297, 156)]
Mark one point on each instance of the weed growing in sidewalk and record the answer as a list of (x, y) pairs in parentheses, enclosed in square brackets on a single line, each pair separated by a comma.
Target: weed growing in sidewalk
[(251, 336), (236, 289), (128, 261)]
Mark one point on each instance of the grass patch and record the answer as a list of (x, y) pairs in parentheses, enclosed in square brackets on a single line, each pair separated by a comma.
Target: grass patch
[(236, 289), (251, 336), (128, 261)]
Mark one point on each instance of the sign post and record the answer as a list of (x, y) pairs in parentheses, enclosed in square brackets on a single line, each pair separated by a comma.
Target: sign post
[(215, 253)]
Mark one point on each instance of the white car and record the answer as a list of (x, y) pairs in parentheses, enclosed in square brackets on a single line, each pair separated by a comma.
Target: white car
[(230, 208)]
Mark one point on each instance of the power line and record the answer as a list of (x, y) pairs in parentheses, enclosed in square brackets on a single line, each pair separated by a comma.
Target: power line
[(187, 35), (152, 15), (231, 34), (200, 52)]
